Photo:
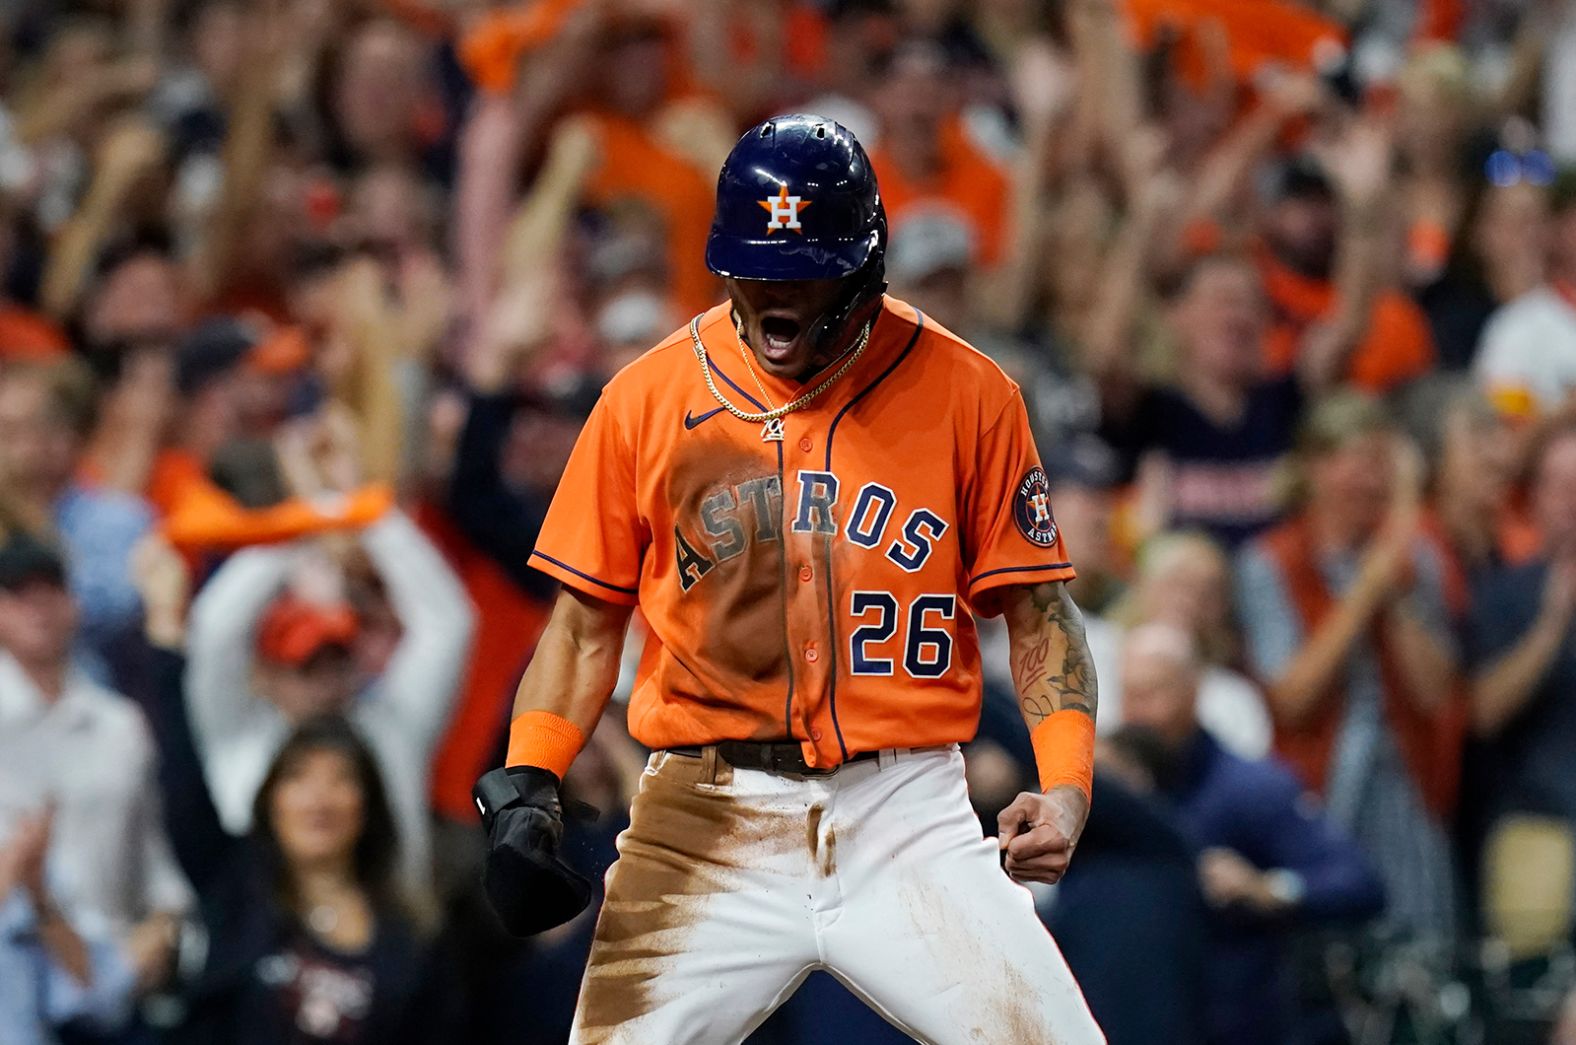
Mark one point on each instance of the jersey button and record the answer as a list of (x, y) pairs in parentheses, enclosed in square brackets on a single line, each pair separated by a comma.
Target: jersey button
[(805, 573), (811, 654), (804, 443), (815, 734)]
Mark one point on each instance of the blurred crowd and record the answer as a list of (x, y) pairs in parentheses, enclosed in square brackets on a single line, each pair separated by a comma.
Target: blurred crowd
[(303, 303)]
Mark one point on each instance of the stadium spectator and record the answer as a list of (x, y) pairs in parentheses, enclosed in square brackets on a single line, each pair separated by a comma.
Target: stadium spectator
[(1207, 450), (46, 414), (53, 976), (1184, 581), (1268, 863), (1499, 253), (1528, 355), (1524, 651), (309, 935), (270, 649), (1208, 443), (85, 755), (1345, 621)]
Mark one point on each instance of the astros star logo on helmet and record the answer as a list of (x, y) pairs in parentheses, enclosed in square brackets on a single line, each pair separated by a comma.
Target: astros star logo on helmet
[(784, 210)]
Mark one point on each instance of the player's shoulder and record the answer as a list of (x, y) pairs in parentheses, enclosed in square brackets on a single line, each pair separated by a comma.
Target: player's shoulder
[(950, 360)]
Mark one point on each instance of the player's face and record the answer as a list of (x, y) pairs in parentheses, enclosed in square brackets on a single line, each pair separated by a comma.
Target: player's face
[(778, 315)]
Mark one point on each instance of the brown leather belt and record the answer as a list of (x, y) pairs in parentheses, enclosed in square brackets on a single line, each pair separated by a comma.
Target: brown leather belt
[(773, 756)]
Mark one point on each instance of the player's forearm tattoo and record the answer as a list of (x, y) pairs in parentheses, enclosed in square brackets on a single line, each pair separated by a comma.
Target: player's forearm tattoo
[(1050, 655)]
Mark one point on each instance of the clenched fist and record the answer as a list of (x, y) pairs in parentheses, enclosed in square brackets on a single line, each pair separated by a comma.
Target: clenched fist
[(1038, 833)]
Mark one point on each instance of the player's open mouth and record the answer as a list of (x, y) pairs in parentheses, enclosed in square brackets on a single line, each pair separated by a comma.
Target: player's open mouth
[(779, 336)]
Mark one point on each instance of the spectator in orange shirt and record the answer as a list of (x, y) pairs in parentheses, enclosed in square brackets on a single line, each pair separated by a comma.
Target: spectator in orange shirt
[(1302, 233), (925, 162)]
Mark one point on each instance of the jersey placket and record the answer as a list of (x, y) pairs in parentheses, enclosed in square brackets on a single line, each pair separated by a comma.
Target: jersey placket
[(809, 526)]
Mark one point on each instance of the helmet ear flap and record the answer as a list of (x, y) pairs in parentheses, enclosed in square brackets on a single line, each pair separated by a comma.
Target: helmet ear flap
[(860, 301)]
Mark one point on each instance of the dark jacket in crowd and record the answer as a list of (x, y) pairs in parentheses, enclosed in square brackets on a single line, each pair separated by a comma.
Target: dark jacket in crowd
[(1261, 811), (1131, 923)]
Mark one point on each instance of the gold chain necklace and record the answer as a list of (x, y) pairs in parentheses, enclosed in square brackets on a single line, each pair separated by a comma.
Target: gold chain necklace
[(771, 420)]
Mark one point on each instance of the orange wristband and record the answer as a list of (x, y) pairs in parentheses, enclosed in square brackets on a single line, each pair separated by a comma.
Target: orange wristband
[(544, 740), (1064, 750)]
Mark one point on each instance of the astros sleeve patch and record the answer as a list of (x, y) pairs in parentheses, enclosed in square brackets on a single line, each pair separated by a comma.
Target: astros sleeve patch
[(1013, 537)]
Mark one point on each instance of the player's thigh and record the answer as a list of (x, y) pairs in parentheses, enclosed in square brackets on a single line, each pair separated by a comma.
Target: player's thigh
[(702, 932), (940, 940)]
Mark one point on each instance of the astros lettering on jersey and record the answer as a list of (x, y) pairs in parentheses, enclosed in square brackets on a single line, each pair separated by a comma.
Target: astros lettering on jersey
[(809, 587)]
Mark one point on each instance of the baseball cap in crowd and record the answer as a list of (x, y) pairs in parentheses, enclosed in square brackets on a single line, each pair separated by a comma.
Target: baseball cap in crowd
[(927, 243), (1301, 178), (24, 559), (1086, 461), (216, 347), (294, 630)]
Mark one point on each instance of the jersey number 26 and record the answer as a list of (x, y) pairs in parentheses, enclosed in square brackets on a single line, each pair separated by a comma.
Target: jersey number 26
[(927, 649)]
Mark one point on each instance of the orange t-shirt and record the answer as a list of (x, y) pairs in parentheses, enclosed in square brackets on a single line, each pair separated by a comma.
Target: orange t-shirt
[(820, 587), (27, 336), (968, 184), (1264, 31), (635, 166), (1397, 346)]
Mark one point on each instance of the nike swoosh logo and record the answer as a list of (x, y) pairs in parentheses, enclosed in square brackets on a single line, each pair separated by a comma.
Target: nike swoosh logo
[(693, 422)]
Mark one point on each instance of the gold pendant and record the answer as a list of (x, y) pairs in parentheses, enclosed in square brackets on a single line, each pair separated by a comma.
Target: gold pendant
[(772, 431)]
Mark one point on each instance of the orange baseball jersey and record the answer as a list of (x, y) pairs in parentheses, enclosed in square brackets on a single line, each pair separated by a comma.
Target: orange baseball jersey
[(817, 587)]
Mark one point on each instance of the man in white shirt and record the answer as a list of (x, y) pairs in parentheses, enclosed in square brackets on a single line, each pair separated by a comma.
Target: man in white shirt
[(1527, 358), (257, 665), (71, 746)]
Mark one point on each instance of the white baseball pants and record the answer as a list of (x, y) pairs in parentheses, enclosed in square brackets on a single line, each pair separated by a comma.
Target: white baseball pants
[(732, 885)]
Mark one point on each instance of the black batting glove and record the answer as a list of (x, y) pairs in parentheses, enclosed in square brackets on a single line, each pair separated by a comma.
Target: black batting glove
[(530, 888)]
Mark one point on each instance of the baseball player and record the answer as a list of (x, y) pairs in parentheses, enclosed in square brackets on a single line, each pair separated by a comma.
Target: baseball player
[(809, 491)]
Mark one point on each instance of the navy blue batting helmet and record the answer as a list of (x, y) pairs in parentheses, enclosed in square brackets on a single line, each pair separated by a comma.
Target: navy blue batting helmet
[(797, 199)]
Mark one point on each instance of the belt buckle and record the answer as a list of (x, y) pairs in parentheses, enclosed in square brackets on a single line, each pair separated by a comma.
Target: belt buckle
[(785, 759)]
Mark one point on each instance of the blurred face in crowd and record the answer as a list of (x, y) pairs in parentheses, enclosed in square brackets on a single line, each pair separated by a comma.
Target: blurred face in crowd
[(1160, 682), (138, 300), (1512, 229), (390, 210), (38, 621), (38, 447), (928, 16), (912, 103), (1301, 230), (1083, 514), (216, 40), (1220, 320), (777, 317), (1564, 245), (1186, 583), (636, 72), (1351, 483), (1554, 494), (855, 45), (1478, 457), (318, 809), (323, 684), (1433, 109), (943, 295), (381, 83)]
